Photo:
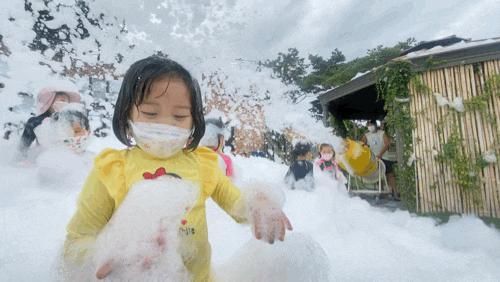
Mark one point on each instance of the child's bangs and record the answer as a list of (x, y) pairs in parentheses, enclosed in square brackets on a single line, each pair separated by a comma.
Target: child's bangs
[(143, 89), (145, 84)]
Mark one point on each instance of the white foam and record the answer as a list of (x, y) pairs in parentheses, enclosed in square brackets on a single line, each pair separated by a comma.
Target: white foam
[(362, 242), (141, 241)]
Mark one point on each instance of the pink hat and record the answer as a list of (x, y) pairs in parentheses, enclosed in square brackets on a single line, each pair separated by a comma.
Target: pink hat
[(46, 97)]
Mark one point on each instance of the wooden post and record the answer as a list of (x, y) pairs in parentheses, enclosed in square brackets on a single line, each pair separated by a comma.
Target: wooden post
[(326, 114)]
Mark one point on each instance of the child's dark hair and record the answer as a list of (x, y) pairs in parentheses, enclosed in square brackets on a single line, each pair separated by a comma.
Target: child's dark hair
[(301, 149), (136, 86), (326, 145), (72, 116), (217, 122), (61, 93)]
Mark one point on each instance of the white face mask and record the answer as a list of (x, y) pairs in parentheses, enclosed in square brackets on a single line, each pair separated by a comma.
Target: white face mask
[(327, 157), (371, 128), (59, 105), (159, 140)]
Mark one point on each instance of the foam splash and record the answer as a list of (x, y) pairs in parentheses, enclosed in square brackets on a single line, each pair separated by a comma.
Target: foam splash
[(299, 258), (141, 242), (362, 242)]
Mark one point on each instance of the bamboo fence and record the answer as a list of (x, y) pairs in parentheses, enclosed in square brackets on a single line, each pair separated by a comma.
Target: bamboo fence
[(436, 182)]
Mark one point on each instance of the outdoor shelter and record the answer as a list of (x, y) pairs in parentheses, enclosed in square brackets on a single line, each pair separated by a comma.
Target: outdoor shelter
[(454, 103)]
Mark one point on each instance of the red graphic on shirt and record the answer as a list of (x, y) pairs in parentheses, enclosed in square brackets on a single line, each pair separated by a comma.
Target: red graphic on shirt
[(184, 221), (159, 172)]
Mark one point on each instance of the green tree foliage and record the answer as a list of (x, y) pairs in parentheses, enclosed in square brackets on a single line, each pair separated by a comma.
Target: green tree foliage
[(319, 74), (313, 82), (320, 65), (289, 67), (334, 71), (340, 72)]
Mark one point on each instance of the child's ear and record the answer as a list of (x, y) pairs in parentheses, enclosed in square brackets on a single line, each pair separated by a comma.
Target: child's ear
[(128, 134), (190, 140)]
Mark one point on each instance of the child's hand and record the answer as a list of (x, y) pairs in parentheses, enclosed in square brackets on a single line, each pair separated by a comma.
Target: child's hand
[(269, 221), (105, 269), (159, 240)]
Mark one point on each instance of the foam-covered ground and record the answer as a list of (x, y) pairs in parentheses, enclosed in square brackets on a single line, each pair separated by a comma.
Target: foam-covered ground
[(361, 242)]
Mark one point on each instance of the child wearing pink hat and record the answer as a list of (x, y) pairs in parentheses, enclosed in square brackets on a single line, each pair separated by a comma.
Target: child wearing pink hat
[(214, 139), (49, 100)]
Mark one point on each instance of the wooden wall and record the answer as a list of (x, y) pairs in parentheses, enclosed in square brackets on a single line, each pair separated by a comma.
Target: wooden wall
[(437, 186)]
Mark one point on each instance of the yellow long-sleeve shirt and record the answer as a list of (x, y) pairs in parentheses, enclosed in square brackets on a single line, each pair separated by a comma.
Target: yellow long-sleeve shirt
[(115, 171)]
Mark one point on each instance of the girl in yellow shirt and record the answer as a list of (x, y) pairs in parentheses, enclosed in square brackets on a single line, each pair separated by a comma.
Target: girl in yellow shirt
[(159, 109)]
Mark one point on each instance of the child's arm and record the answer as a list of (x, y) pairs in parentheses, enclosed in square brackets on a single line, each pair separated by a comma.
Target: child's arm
[(258, 204), (28, 135), (289, 176), (94, 209), (226, 195)]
